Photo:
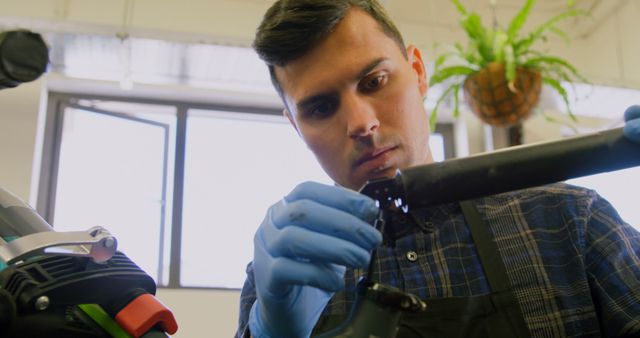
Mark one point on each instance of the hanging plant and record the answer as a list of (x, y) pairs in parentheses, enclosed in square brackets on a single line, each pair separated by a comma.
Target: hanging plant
[(499, 72)]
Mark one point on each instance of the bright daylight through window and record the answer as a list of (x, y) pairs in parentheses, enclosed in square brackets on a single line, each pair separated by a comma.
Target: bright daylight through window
[(116, 170)]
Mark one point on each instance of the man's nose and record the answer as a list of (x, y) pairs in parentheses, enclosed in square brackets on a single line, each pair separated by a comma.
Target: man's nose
[(361, 116)]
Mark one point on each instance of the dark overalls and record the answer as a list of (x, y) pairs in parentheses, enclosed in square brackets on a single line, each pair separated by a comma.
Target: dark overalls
[(494, 315)]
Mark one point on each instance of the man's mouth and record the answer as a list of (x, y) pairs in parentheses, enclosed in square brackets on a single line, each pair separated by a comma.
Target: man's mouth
[(375, 160)]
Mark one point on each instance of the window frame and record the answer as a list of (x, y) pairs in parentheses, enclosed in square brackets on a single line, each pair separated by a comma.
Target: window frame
[(52, 140)]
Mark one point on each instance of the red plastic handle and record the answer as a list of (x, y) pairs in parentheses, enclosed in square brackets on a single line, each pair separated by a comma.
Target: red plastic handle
[(143, 313)]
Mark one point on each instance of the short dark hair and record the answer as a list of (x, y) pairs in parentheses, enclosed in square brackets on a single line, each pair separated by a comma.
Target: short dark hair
[(291, 28)]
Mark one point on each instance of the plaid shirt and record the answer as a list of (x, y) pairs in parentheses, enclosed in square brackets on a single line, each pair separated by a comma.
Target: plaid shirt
[(573, 264)]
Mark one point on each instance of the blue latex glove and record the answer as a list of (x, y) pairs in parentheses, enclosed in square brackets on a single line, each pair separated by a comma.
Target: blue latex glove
[(301, 251), (632, 123)]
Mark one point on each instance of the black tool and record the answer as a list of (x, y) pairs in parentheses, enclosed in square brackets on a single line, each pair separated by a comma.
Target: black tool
[(505, 170), (23, 57)]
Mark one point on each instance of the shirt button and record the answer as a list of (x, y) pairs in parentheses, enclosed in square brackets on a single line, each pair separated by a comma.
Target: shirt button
[(412, 256)]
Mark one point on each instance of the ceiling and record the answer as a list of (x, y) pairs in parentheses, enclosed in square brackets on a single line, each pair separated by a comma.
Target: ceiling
[(443, 13), (204, 17)]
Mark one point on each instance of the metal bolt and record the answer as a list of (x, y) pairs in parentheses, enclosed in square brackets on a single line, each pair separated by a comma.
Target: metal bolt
[(412, 256), (108, 242), (42, 303)]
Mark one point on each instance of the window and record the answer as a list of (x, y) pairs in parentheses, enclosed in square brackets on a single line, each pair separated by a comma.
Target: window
[(113, 170), (236, 165), (181, 186)]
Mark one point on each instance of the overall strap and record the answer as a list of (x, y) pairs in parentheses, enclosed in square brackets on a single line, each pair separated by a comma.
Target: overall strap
[(509, 321), (492, 264)]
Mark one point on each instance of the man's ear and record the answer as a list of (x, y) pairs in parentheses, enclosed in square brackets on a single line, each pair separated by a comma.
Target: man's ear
[(286, 113), (415, 59)]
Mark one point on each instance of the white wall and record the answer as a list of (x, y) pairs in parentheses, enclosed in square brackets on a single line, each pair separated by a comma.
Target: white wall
[(18, 121), (203, 313), (608, 55)]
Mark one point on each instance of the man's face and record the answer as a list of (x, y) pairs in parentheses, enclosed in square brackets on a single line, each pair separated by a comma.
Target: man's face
[(357, 102)]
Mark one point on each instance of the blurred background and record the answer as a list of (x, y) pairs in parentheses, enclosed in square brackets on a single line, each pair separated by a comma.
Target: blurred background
[(157, 121)]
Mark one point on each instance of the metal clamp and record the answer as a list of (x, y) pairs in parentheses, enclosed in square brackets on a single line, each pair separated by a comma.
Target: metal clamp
[(96, 243)]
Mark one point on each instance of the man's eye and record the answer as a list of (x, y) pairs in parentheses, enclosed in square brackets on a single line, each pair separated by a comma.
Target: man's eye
[(373, 83), (321, 110)]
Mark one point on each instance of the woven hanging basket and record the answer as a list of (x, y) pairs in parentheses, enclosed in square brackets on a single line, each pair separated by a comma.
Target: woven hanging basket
[(488, 94)]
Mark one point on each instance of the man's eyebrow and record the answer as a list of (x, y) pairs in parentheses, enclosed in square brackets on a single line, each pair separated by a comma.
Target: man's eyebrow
[(308, 101), (369, 67)]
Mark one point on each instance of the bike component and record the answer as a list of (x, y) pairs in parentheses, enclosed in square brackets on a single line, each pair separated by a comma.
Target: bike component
[(506, 170)]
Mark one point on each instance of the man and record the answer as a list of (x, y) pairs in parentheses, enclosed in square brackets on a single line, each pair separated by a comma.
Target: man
[(560, 261)]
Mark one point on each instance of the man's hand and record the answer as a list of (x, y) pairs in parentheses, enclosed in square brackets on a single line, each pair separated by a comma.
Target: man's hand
[(632, 123), (301, 251)]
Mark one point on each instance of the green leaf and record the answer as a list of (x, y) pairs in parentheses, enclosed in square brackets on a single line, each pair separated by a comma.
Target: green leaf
[(433, 119), (472, 25), (509, 63), (518, 21), (434, 113), (564, 36), (479, 35), (460, 7), (549, 118), (543, 61), (563, 93), (473, 54), (442, 58), (462, 52), (499, 42), (552, 119), (524, 44), (453, 56), (554, 20), (456, 101), (448, 72), (558, 74)]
